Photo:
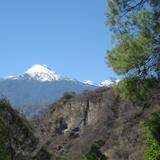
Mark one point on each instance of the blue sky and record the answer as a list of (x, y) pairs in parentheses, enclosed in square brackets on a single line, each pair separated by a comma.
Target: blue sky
[(69, 36)]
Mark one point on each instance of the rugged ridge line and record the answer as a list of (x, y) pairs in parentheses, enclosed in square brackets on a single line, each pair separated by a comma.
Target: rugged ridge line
[(75, 122)]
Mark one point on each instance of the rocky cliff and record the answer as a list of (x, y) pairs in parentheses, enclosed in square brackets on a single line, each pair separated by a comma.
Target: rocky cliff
[(75, 122)]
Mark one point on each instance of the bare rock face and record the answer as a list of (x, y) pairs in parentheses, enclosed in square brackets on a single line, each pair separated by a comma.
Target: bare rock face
[(76, 121)]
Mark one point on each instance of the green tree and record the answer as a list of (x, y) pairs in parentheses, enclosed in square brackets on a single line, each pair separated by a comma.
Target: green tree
[(6, 146), (136, 56), (152, 137), (3, 140)]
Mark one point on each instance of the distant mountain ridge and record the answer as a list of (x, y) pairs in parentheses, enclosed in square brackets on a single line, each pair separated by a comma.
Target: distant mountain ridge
[(36, 88), (105, 83), (40, 73), (44, 73)]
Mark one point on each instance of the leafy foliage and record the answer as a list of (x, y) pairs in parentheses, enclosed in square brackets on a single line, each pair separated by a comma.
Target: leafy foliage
[(68, 95), (136, 89), (152, 137), (3, 139), (17, 140), (136, 32), (6, 146)]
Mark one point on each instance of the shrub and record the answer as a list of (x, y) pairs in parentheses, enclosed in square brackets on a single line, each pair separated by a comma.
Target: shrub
[(152, 137), (68, 95), (95, 153)]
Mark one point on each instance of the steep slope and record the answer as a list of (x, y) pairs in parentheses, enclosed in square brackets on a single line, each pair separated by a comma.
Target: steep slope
[(17, 141), (39, 86), (75, 122)]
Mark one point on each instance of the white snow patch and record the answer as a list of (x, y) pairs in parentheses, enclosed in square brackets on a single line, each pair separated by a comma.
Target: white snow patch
[(42, 73), (108, 83), (88, 82)]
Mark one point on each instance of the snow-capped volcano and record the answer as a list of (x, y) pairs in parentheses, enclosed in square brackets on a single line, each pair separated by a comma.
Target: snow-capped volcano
[(88, 82), (42, 73), (36, 88)]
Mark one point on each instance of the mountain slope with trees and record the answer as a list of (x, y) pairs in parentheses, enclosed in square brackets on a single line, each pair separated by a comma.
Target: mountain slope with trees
[(17, 140), (77, 121), (135, 25)]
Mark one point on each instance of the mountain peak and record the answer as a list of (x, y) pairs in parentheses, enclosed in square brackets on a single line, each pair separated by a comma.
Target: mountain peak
[(38, 68), (109, 83), (42, 73)]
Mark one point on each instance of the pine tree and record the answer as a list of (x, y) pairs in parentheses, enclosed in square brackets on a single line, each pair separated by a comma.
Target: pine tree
[(136, 56)]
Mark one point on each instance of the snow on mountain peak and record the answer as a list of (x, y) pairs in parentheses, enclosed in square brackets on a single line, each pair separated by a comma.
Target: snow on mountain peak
[(108, 83), (42, 73), (88, 82), (37, 68)]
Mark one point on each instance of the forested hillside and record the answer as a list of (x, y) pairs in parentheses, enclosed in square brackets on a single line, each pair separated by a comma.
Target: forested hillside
[(17, 140)]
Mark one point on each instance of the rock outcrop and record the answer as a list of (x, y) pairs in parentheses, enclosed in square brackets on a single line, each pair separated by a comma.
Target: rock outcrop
[(75, 122)]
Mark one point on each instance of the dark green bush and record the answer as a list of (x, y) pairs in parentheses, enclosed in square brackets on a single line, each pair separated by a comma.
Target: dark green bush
[(68, 95), (95, 153), (152, 137)]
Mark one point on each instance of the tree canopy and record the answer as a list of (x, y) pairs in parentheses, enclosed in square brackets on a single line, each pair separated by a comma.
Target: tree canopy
[(152, 137), (135, 25)]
